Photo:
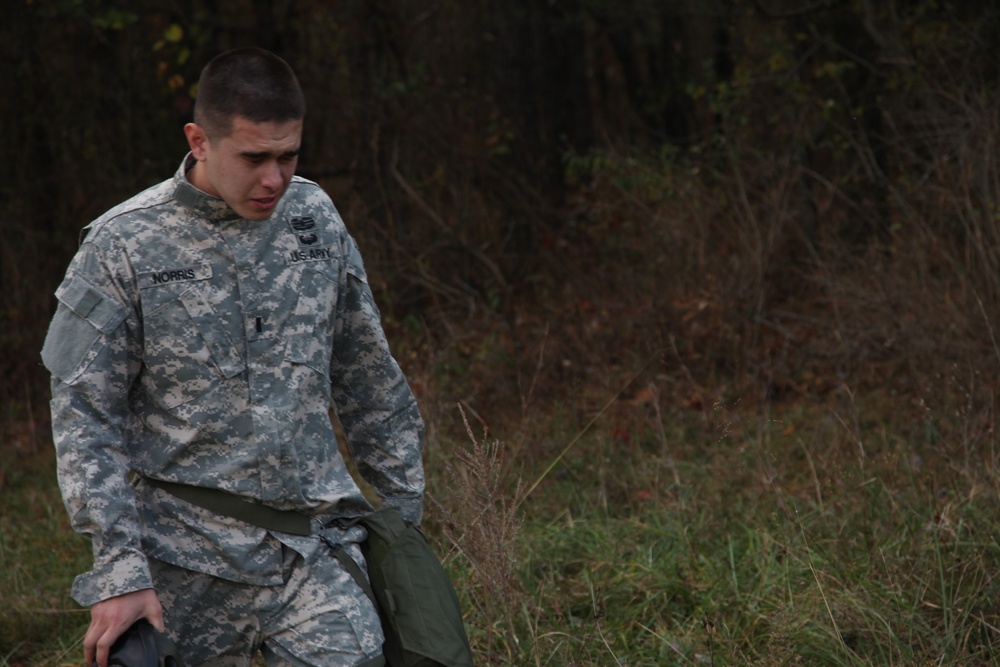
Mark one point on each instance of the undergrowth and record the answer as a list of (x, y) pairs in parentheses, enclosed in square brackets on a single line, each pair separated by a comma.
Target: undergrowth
[(802, 535), (39, 556), (722, 422), (779, 546)]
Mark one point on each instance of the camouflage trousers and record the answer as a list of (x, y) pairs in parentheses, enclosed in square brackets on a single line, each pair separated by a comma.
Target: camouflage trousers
[(320, 616)]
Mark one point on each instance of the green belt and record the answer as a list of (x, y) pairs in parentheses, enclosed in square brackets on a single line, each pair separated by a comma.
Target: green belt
[(221, 502)]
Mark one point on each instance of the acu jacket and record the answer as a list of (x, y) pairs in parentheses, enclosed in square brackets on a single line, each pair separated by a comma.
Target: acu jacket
[(194, 346)]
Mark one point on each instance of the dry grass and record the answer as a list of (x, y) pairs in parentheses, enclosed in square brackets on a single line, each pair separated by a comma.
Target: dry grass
[(739, 411)]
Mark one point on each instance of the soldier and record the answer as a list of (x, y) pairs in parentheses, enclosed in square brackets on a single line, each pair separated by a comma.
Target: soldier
[(203, 330)]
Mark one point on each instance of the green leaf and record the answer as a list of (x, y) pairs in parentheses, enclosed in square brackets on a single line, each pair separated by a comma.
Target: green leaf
[(174, 33)]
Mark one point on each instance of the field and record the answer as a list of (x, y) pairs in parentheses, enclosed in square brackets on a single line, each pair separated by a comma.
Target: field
[(727, 399), (650, 535), (619, 474)]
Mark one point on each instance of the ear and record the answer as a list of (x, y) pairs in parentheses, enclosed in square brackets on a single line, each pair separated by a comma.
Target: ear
[(197, 140)]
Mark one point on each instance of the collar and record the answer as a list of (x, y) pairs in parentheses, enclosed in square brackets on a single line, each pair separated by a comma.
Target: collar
[(204, 204)]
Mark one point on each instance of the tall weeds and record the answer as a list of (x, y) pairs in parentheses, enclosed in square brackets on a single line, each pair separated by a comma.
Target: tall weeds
[(482, 524)]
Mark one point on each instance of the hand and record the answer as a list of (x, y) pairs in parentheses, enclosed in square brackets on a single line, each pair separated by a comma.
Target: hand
[(110, 618)]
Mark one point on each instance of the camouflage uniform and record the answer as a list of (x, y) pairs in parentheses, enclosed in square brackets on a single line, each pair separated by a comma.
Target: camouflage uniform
[(195, 346)]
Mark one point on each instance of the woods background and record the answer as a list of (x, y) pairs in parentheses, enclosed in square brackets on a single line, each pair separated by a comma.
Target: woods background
[(717, 281), (744, 200)]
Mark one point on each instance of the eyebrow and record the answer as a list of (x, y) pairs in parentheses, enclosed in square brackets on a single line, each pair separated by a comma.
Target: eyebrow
[(260, 155)]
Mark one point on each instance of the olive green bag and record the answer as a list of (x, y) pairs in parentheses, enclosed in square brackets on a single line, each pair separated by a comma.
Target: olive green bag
[(420, 612)]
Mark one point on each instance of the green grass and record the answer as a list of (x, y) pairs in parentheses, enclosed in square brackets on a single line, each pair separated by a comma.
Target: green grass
[(39, 556), (756, 558), (762, 541)]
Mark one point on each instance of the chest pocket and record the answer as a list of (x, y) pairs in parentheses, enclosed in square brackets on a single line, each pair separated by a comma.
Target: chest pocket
[(187, 351)]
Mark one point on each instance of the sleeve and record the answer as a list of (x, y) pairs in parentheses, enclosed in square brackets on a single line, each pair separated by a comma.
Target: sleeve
[(374, 403), (91, 353)]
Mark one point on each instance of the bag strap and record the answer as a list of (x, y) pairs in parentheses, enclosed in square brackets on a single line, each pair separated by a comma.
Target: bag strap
[(385, 522), (349, 563), (228, 504), (355, 571)]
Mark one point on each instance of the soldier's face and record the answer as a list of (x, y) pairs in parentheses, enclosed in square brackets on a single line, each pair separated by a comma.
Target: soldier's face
[(250, 168)]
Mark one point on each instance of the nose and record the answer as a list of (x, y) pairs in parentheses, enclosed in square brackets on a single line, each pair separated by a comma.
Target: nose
[(270, 176)]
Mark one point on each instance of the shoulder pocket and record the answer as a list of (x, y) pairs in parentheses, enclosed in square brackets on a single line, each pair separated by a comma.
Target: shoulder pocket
[(78, 332)]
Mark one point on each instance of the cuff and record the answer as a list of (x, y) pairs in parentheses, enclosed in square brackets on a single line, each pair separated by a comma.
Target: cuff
[(411, 509), (118, 577)]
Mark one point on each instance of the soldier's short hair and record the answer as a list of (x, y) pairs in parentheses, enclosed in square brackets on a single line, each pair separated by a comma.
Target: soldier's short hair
[(250, 83)]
